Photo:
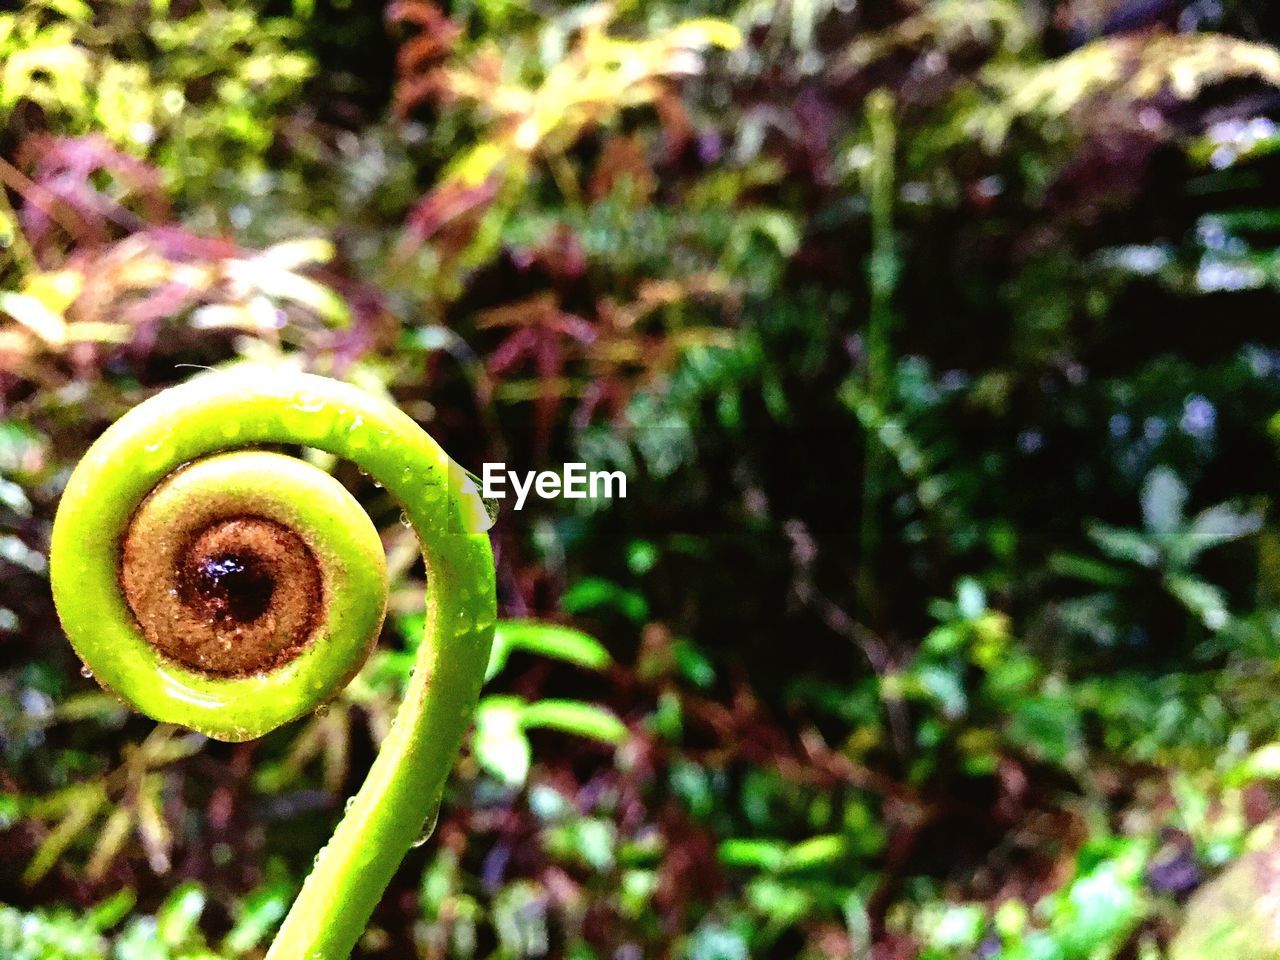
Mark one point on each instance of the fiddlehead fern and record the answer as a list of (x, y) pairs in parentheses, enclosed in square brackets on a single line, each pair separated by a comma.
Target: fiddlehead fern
[(234, 591)]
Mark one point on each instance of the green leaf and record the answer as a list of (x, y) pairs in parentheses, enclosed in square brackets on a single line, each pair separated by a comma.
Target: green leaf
[(641, 556), (1121, 544), (574, 716), (10, 810), (261, 911), (693, 664), (589, 840), (758, 854), (500, 745), (1102, 906), (595, 593), (957, 926), (105, 915), (1164, 498), (1047, 726), (1203, 599), (971, 599), (1221, 524), (943, 687), (821, 851), (1262, 764), (177, 917), (83, 808), (1088, 569), (548, 640)]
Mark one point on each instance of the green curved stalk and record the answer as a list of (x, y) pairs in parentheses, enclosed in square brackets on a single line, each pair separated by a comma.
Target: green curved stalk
[(228, 411)]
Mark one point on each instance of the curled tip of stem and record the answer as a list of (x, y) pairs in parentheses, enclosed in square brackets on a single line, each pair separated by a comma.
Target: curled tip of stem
[(232, 590)]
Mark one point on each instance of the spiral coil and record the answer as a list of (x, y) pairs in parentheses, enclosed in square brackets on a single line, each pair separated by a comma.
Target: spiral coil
[(230, 589)]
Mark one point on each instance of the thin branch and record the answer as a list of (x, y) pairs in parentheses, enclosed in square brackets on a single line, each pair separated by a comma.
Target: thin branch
[(32, 192)]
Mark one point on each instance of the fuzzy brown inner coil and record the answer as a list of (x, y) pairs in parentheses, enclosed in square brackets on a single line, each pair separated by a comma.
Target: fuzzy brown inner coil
[(239, 596)]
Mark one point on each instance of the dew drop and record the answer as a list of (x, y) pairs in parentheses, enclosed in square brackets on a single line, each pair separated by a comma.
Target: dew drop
[(472, 498), (86, 672), (358, 437), (308, 403), (308, 419), (351, 802), (404, 519), (427, 829), (156, 454)]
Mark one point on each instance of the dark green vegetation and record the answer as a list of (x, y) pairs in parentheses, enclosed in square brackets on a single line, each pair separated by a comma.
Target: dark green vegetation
[(939, 342)]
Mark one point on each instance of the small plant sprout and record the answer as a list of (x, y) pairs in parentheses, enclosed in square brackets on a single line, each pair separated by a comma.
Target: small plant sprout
[(231, 590)]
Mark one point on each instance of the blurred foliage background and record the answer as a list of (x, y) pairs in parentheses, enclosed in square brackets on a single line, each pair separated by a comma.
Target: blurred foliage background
[(937, 339)]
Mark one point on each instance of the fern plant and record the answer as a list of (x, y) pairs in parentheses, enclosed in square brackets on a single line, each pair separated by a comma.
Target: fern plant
[(232, 590)]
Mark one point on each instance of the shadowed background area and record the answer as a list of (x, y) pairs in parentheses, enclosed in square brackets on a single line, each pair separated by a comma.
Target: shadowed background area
[(938, 342)]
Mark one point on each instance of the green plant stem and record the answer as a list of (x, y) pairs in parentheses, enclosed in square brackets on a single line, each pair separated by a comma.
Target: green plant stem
[(400, 798)]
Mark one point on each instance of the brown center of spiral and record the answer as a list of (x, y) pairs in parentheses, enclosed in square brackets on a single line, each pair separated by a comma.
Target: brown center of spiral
[(241, 595), (234, 587)]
